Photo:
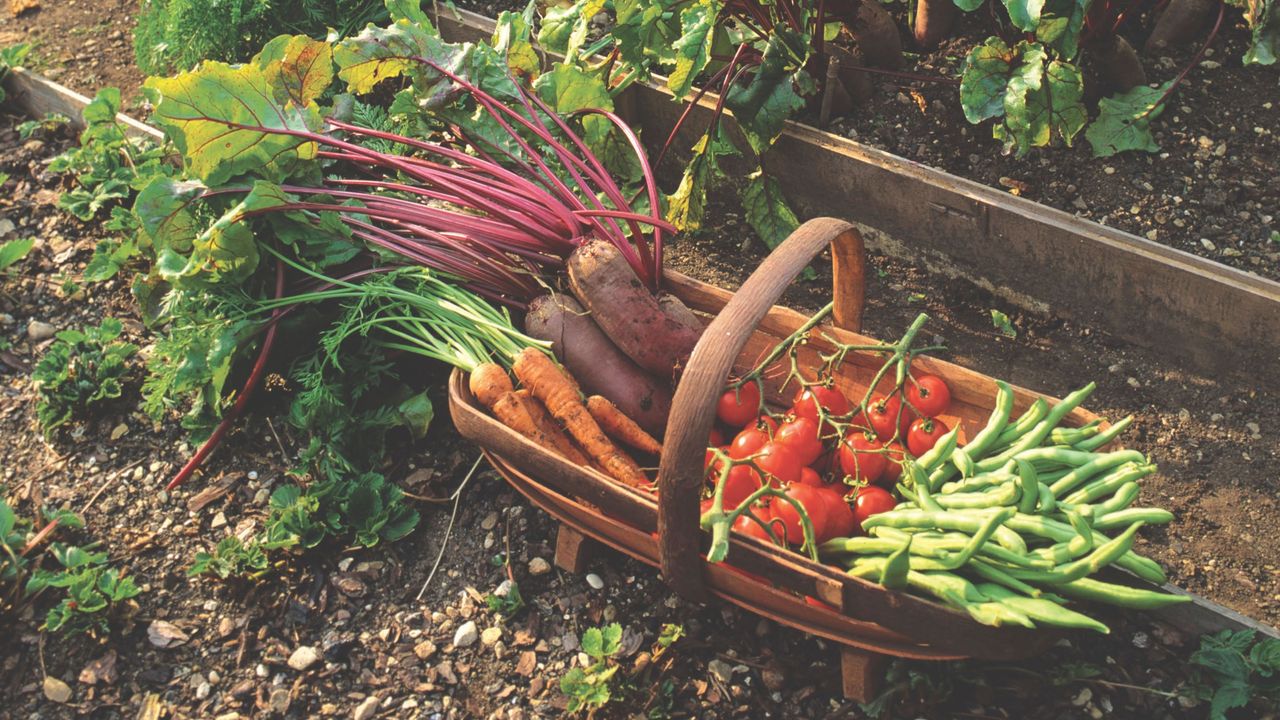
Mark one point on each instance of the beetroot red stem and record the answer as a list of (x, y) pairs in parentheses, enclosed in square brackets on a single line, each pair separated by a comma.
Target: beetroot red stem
[(242, 402)]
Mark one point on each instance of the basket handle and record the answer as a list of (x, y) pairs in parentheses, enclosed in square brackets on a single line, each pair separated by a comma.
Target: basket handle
[(693, 409)]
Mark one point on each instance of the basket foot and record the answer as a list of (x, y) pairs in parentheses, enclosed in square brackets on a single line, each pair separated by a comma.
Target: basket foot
[(861, 673), (573, 550)]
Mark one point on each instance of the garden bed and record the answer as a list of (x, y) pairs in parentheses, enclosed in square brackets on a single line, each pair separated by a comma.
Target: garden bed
[(359, 607)]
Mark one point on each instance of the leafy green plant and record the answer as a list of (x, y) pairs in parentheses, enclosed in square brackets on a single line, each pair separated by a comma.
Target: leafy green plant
[(13, 251), (232, 557), (589, 688), (507, 600), (80, 369), (11, 57), (177, 34), (90, 589), (1002, 323), (48, 123), (1234, 669)]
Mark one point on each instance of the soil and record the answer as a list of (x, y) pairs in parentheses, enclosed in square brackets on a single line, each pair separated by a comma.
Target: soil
[(383, 651)]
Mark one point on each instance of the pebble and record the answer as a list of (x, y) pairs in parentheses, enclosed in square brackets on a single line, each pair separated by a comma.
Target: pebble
[(1134, 382), (491, 635), (366, 709), (1207, 244), (38, 330), (261, 670), (721, 669), (203, 690), (595, 581), (489, 522), (1083, 697), (1255, 431), (56, 690), (466, 634), (1141, 640), (424, 650), (303, 658), (279, 701), (539, 566)]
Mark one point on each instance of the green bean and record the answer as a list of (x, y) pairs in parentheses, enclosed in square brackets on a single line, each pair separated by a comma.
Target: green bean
[(969, 523), (1006, 494), (1028, 486), (940, 452), (894, 573), (1041, 610), (1102, 555), (1120, 595), (942, 585), (996, 424), (963, 462), (1093, 467), (1110, 483), (1029, 419), (927, 543), (998, 575), (1123, 498), (1106, 436), (977, 482), (920, 482), (1035, 436), (1051, 529), (1073, 435), (997, 614), (1120, 518), (1047, 501), (1064, 552)]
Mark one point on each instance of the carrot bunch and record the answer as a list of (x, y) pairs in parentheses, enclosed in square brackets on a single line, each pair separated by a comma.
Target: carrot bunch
[(550, 411)]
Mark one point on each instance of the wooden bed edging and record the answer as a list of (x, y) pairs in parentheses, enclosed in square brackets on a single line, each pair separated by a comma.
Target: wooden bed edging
[(1216, 317), (37, 96)]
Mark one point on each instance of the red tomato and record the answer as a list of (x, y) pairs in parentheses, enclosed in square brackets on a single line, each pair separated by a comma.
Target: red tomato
[(882, 415), (809, 476), (780, 462), (717, 437), (801, 435), (871, 500), (747, 443), (859, 457), (767, 425), (840, 517), (929, 394), (924, 434), (738, 407), (893, 463), (751, 528), (742, 481), (831, 400), (814, 500)]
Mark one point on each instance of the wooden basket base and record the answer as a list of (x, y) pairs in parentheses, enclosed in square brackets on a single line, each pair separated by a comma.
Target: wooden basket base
[(861, 672)]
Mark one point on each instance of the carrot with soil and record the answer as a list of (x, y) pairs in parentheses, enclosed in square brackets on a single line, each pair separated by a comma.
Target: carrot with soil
[(561, 396), (620, 427)]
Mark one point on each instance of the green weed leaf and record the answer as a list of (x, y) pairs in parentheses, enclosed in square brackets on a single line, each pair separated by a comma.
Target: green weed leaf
[(693, 49), (767, 210), (1124, 121), (14, 250)]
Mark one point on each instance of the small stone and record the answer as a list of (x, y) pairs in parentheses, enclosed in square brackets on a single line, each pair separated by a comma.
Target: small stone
[(203, 690), (1079, 203), (219, 520), (1255, 431), (366, 709), (1207, 244), (1134, 382), (1141, 640), (773, 678), (1210, 64), (466, 634), (56, 690), (539, 566), (721, 669), (424, 650), (303, 658), (279, 700), (118, 431), (1083, 697), (1109, 170), (38, 330), (595, 581), (489, 522), (491, 635), (261, 670)]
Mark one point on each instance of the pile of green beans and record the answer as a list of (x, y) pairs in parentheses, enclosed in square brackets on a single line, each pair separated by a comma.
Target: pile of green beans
[(1009, 526)]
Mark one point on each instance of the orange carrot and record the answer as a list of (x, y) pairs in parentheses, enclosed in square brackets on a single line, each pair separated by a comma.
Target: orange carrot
[(489, 382), (548, 426), (561, 396), (620, 427)]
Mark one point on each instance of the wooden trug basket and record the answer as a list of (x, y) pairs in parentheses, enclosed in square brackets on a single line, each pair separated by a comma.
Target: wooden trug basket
[(868, 620)]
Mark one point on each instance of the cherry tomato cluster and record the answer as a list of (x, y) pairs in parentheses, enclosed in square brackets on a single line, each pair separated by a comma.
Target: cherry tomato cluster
[(840, 484)]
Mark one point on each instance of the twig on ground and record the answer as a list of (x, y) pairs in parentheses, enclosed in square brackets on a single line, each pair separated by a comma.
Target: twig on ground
[(444, 545)]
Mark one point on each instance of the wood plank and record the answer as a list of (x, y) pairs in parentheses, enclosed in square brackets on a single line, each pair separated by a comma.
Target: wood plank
[(37, 96), (1217, 318)]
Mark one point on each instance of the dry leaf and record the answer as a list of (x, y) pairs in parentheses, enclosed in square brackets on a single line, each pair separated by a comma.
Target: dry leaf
[(56, 690), (165, 634), (102, 670)]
